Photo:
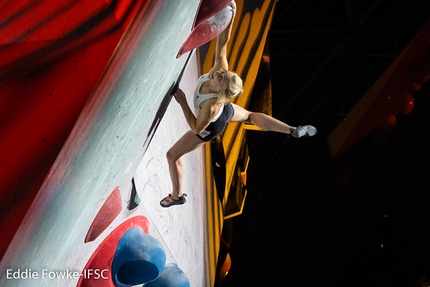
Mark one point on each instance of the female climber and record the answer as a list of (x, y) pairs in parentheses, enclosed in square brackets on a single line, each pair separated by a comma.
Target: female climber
[(214, 111)]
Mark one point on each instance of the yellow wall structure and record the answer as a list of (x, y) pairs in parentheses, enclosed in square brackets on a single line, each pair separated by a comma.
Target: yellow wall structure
[(246, 48)]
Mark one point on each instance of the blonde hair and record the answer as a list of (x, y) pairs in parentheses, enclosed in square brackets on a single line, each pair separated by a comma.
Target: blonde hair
[(235, 86)]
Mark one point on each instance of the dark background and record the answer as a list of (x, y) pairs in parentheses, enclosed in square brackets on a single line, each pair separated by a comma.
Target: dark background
[(363, 218)]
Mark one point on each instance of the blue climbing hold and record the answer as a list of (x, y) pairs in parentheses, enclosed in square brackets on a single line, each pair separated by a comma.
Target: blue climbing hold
[(139, 258), (172, 276)]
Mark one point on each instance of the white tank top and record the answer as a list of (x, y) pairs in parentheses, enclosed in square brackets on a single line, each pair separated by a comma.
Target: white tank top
[(199, 98)]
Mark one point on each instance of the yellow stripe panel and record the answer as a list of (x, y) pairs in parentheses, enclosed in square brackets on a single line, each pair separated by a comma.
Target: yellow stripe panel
[(239, 42), (234, 134), (213, 219), (245, 33), (232, 160)]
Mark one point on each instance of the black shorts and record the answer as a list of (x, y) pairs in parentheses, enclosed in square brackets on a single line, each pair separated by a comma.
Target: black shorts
[(218, 126)]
